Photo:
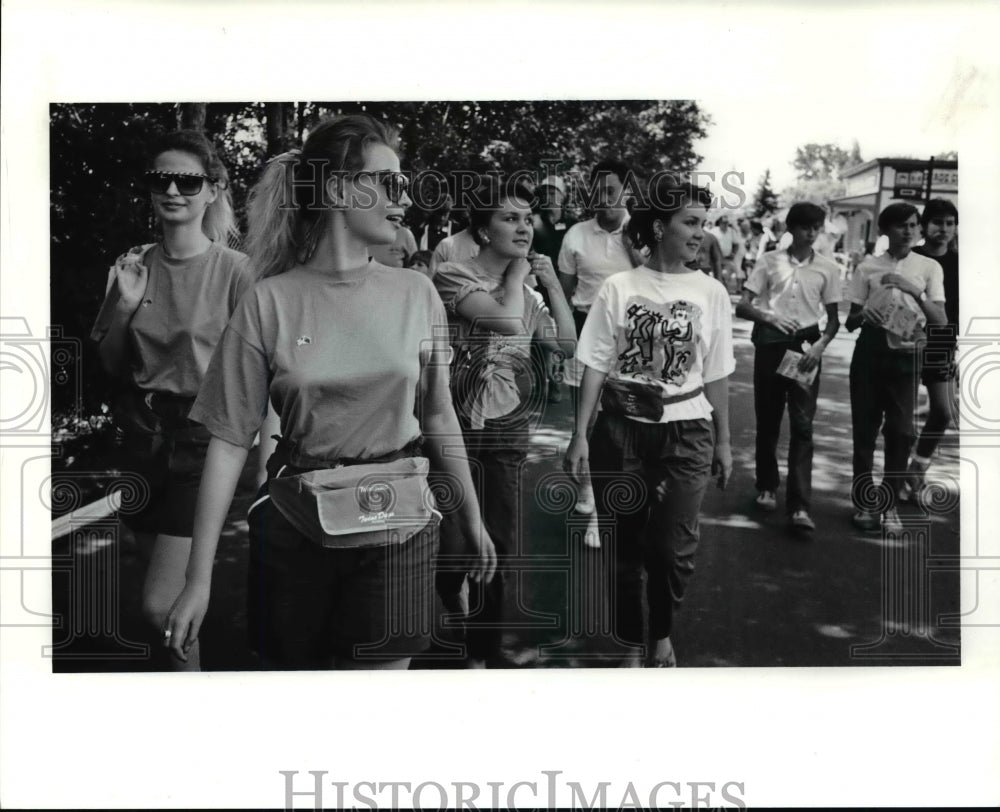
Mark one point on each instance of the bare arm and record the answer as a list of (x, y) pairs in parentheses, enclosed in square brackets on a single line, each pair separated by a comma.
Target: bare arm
[(265, 449), (717, 393), (446, 451), (485, 312), (565, 340), (568, 283), (811, 357), (131, 279), (223, 465), (933, 311), (715, 258), (575, 461)]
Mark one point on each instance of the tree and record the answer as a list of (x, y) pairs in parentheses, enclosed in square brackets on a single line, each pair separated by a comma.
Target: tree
[(765, 202), (820, 161), (820, 192), (191, 116), (98, 153), (855, 157)]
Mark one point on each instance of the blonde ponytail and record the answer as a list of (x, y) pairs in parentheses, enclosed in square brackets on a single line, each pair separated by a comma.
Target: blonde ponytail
[(285, 213), (272, 216)]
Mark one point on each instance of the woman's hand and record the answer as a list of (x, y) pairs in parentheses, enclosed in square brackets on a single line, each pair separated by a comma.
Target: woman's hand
[(542, 268), (476, 546), (518, 270), (131, 278), (185, 618), (895, 280), (722, 464), (576, 458)]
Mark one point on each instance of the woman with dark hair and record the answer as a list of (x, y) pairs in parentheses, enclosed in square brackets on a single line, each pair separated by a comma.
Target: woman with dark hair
[(496, 316), (657, 351), (354, 358), (166, 307)]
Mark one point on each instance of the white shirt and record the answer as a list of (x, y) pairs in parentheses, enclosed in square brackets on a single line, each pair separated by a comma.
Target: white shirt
[(798, 290), (728, 240), (672, 331), (456, 248), (923, 271), (592, 254)]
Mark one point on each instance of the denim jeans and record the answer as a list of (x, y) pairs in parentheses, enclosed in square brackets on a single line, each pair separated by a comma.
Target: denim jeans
[(770, 393), (883, 395), (649, 481)]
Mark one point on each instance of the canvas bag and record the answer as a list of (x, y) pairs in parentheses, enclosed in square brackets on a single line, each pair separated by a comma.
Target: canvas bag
[(368, 505)]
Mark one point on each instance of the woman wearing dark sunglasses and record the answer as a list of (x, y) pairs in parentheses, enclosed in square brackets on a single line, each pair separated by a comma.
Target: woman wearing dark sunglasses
[(166, 307), (354, 357)]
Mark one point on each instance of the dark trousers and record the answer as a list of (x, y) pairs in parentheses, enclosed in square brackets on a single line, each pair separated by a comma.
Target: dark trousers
[(770, 393), (649, 481), (496, 460), (883, 395)]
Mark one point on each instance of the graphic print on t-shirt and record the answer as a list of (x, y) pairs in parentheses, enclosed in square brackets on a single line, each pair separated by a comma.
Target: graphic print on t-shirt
[(660, 339)]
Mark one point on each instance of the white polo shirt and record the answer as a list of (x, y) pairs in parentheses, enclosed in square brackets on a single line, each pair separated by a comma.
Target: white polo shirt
[(798, 290), (592, 254)]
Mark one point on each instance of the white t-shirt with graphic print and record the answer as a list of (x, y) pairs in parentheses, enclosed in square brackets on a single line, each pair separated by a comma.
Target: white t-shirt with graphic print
[(673, 331)]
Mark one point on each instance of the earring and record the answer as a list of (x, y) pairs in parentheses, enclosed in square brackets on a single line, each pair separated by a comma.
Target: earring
[(658, 235), (486, 239)]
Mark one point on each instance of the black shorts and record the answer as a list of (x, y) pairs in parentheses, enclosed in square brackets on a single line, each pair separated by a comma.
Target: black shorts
[(938, 362), (308, 604), (170, 465)]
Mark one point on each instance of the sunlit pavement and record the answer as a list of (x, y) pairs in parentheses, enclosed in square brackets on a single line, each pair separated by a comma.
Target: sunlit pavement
[(760, 595)]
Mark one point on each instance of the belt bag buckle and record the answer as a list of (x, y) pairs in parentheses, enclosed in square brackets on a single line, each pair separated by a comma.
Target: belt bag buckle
[(368, 505)]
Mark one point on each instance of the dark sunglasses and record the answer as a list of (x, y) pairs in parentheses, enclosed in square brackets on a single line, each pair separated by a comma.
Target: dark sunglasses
[(396, 184), (187, 183)]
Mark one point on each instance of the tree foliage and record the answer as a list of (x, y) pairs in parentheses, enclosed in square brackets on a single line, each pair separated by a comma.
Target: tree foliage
[(765, 201), (823, 161), (97, 155)]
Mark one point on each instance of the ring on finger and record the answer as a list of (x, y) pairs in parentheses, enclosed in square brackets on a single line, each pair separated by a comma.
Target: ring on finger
[(167, 634)]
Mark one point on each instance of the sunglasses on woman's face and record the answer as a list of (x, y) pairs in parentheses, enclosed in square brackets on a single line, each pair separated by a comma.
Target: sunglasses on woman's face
[(396, 184), (187, 183)]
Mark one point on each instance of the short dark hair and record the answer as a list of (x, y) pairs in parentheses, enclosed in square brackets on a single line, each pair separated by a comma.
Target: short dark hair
[(487, 198), (418, 256), (661, 200), (803, 215), (610, 166), (896, 213), (938, 207)]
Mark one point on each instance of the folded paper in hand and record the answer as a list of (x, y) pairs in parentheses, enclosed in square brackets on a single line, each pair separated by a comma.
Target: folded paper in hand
[(900, 315), (789, 367)]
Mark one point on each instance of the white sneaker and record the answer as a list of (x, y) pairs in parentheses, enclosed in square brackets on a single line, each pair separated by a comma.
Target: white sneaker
[(801, 521), (766, 500), (891, 523)]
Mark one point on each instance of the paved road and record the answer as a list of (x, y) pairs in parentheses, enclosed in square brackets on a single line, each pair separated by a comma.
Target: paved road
[(760, 595)]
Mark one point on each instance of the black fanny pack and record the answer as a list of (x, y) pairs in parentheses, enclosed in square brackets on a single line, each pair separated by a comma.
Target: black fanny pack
[(638, 399)]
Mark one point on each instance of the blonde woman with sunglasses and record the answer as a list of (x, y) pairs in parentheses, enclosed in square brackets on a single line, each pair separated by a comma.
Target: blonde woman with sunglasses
[(354, 358), (165, 308)]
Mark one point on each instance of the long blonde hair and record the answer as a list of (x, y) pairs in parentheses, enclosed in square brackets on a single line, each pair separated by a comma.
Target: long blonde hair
[(219, 223), (285, 208)]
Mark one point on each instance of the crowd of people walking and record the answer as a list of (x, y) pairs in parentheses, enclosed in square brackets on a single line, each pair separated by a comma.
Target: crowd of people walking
[(386, 368)]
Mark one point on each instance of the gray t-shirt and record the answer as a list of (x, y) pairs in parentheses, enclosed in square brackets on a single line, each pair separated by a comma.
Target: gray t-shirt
[(184, 310), (340, 354)]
